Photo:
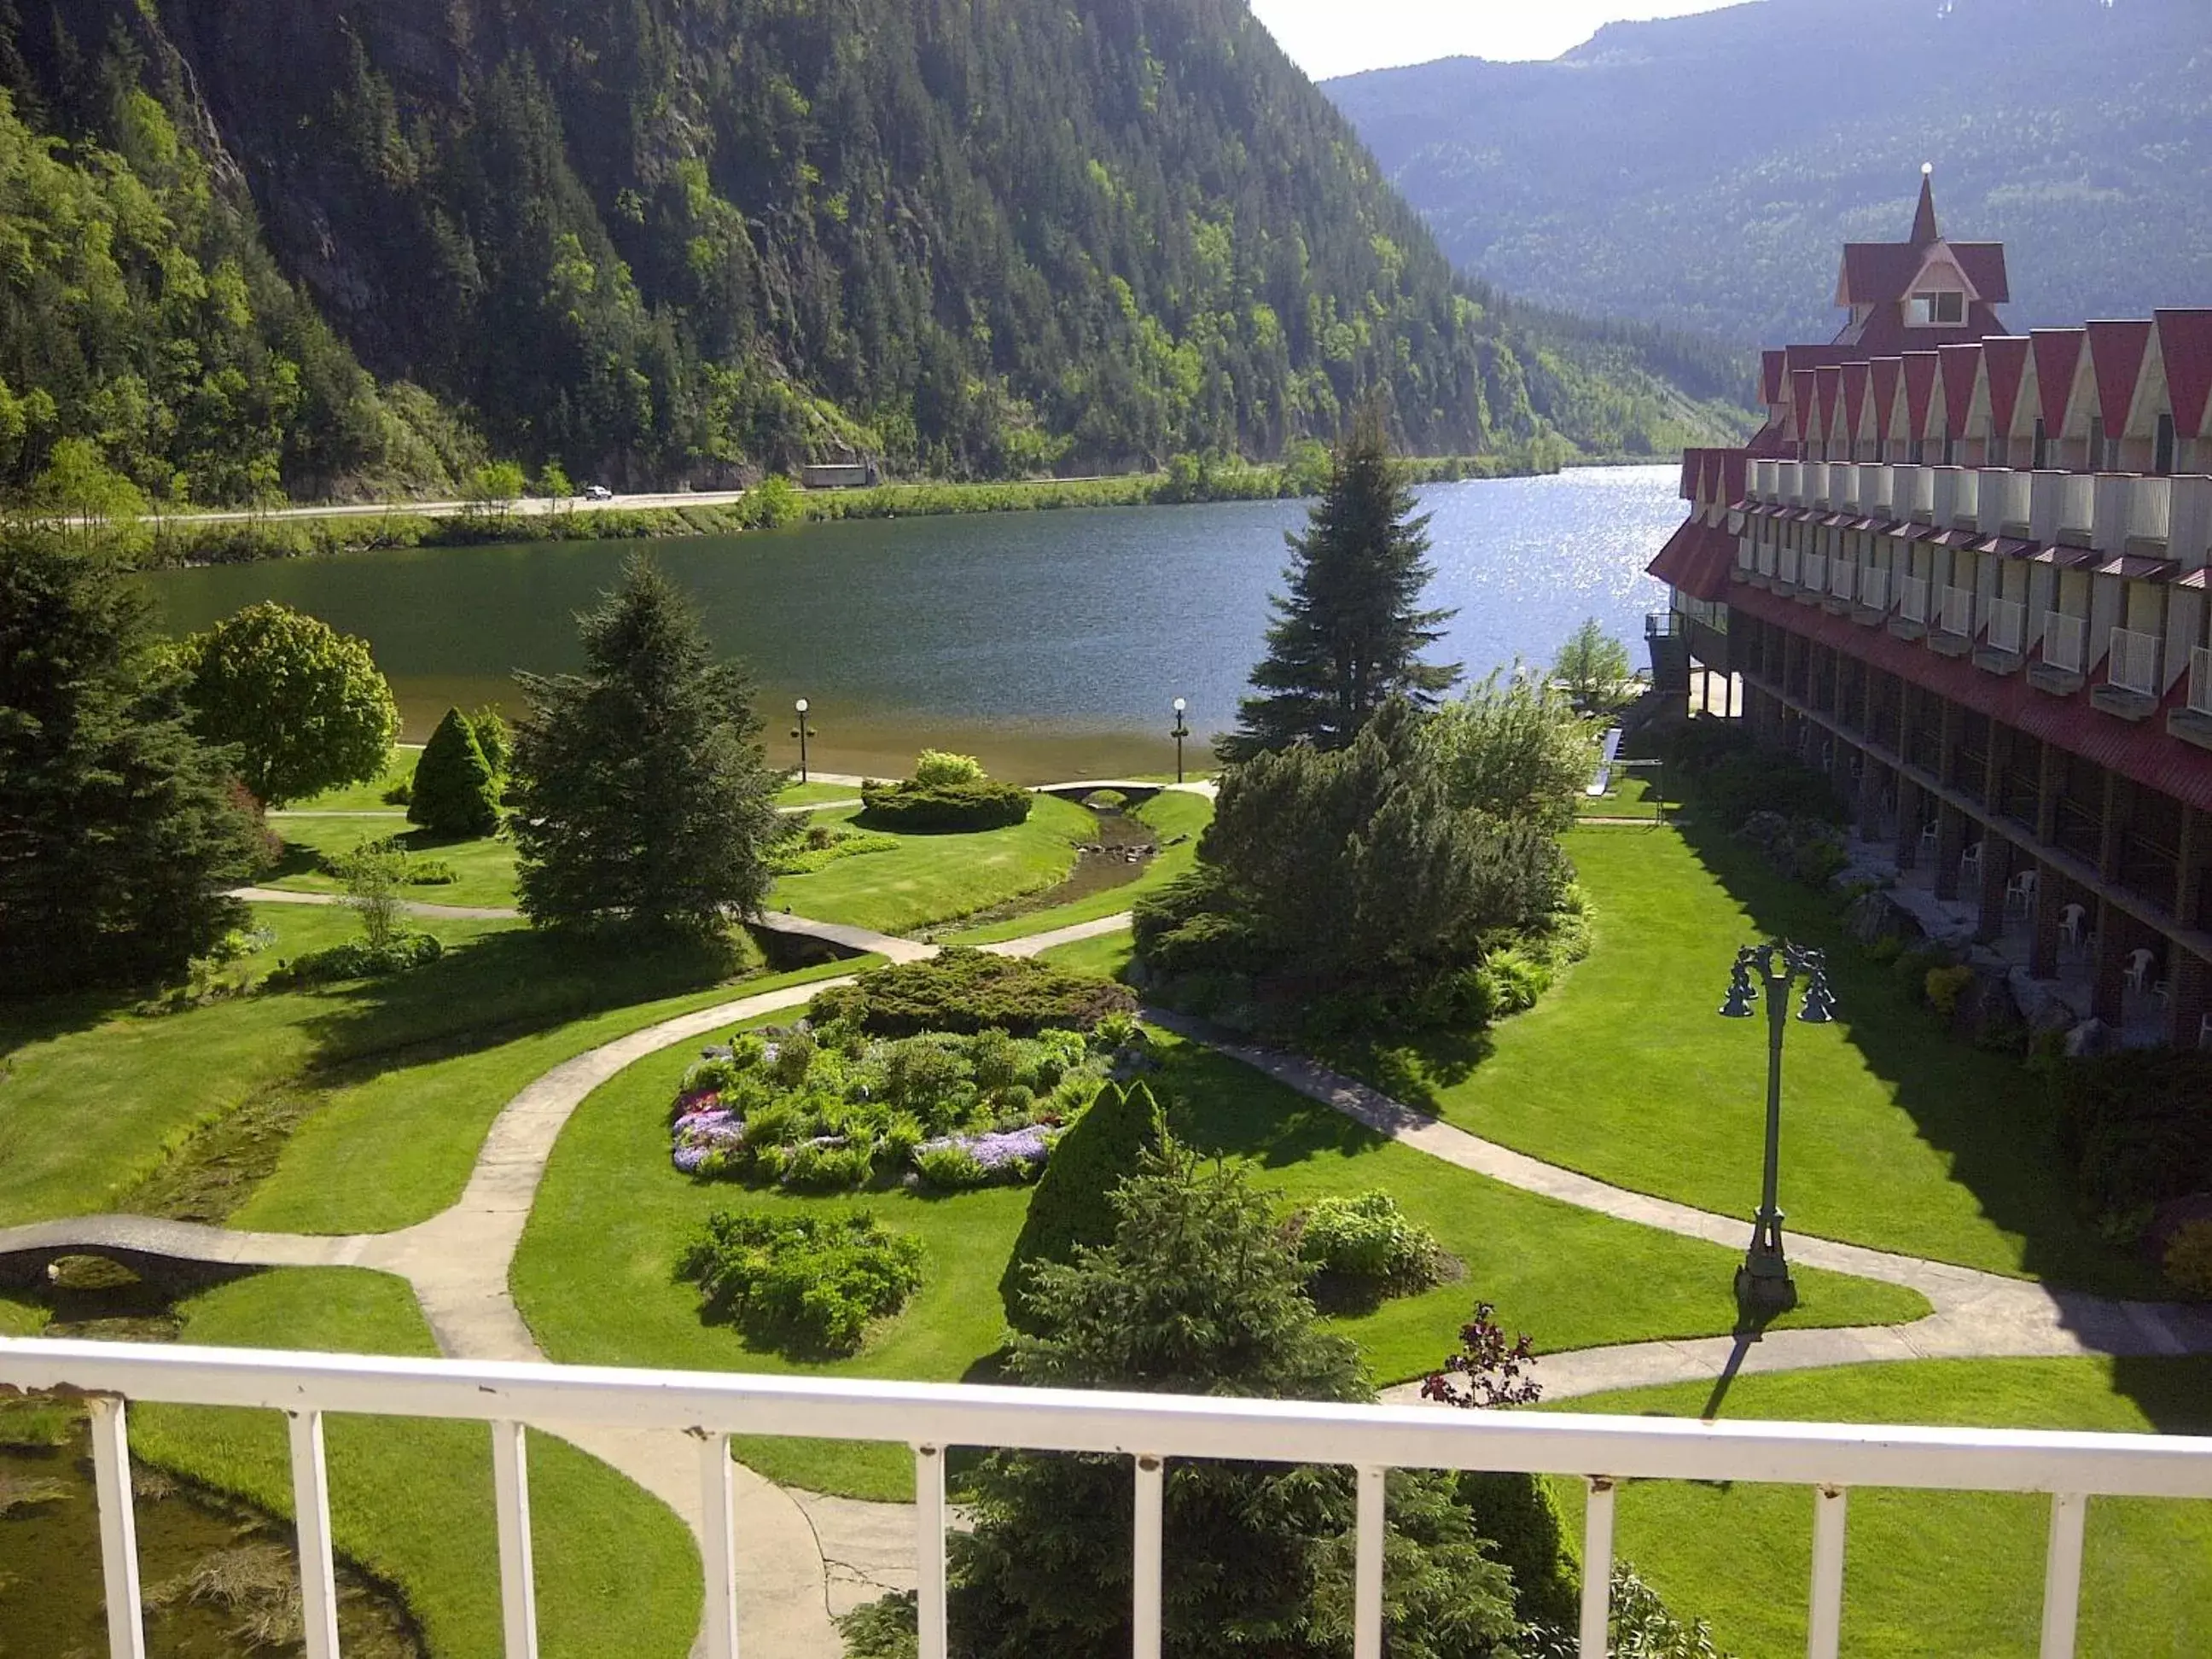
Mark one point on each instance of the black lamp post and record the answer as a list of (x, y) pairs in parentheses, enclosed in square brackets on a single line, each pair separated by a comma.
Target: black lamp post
[(1763, 1281), (802, 732), (1181, 732)]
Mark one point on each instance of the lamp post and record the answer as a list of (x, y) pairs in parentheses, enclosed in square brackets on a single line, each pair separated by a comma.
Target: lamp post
[(1182, 731), (1763, 1281), (802, 732)]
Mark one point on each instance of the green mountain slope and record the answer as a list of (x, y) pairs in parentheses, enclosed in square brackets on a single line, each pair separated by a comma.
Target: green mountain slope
[(334, 247), (1701, 172)]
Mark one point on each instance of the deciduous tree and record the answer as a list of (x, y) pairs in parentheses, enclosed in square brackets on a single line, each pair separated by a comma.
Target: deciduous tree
[(642, 790), (1515, 748), (302, 704), (1349, 633), (118, 826), (1593, 668)]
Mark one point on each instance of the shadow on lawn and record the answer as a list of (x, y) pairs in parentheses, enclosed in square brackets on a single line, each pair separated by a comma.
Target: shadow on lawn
[(1221, 1107), (1988, 1114), (2175, 1394)]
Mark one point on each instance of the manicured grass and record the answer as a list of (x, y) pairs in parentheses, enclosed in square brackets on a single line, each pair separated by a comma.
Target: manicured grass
[(1892, 1134), (1929, 1573), (595, 1277), (393, 1144), (483, 868), (1105, 955), (935, 878), (411, 1501), (1179, 818), (368, 797), (1631, 796), (93, 1099), (810, 794)]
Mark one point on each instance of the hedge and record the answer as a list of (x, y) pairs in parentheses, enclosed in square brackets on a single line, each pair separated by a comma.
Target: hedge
[(943, 808), (965, 990)]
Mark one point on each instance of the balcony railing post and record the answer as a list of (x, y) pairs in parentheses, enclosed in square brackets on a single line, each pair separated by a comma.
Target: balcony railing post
[(310, 1510), (1367, 1574), (2200, 681), (929, 1542), (518, 1586), (2062, 1575), (118, 1530), (718, 1541), (1597, 1567), (1151, 1495), (1824, 1625)]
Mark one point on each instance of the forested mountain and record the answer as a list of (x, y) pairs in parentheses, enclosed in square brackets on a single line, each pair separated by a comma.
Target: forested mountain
[(340, 246), (1701, 172)]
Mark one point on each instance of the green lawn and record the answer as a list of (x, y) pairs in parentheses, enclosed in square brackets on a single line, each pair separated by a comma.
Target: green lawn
[(1105, 955), (812, 794), (1173, 817), (1930, 1573), (1893, 1135), (595, 1274), (1631, 796), (483, 867), (937, 879), (411, 1501), (368, 797), (393, 1145), (94, 1099)]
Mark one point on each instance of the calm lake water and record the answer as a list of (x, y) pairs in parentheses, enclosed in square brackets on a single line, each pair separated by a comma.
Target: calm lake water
[(1053, 644)]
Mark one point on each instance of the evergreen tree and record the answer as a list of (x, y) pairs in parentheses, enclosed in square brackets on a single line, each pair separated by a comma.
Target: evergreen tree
[(642, 790), (456, 791), (1349, 634), (1073, 1204), (1199, 1294), (118, 827)]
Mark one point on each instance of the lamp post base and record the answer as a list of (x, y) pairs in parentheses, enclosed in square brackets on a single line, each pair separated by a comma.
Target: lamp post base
[(1763, 1282)]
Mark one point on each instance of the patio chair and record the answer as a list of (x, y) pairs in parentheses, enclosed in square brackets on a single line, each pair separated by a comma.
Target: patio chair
[(2071, 918), (1929, 834), (2137, 972), (2021, 891), (1970, 863), (2204, 1032)]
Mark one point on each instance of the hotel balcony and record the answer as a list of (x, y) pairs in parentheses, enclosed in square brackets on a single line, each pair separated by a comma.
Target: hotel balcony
[(2194, 722), (704, 1410)]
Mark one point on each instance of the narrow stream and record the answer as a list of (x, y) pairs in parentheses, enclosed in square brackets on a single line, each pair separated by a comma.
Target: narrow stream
[(220, 1581), (1125, 845)]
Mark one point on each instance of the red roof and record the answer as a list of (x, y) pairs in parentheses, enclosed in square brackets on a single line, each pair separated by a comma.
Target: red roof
[(2115, 351), (1883, 372), (2004, 356), (1697, 559), (1773, 373), (1803, 384), (1919, 390), (2058, 355), (1962, 367), (1828, 380), (2184, 341), (1983, 263), (1855, 396), (2140, 750)]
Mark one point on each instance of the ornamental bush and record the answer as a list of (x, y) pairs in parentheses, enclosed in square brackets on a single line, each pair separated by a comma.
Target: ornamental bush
[(2136, 1128), (936, 766), (916, 808), (359, 959), (1073, 1205), (967, 990), (1367, 1237), (2189, 1260), (808, 1284), (456, 790)]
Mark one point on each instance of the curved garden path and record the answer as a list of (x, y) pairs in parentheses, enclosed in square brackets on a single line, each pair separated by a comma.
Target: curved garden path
[(804, 1556)]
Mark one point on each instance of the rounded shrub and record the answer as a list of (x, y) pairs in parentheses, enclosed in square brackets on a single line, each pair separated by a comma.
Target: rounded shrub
[(936, 766), (2189, 1260), (455, 792), (914, 808)]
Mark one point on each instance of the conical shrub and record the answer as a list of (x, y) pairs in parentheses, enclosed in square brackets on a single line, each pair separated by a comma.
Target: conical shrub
[(455, 792)]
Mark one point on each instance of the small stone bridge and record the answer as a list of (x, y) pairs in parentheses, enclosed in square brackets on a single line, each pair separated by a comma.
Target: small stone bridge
[(174, 1254)]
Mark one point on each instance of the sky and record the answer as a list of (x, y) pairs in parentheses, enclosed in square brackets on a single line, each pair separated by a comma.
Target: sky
[(1340, 37)]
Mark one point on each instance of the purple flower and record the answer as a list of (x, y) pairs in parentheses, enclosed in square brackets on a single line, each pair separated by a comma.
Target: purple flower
[(1028, 1145)]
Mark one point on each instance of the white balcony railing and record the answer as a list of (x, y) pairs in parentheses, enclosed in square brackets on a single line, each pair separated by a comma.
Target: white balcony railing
[(2200, 681), (2065, 642), (1842, 578), (2133, 666), (1912, 599), (1958, 615), (2008, 624), (1148, 1429), (1815, 573), (1767, 558), (1874, 588), (1792, 561)]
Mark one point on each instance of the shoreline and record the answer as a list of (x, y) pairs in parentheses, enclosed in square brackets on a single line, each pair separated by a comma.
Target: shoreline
[(186, 542)]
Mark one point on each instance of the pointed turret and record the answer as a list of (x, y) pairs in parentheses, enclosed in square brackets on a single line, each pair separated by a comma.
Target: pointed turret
[(1924, 232)]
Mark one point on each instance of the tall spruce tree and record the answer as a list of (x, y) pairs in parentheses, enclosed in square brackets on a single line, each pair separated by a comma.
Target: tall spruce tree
[(119, 828), (1198, 1293), (642, 793), (1349, 634)]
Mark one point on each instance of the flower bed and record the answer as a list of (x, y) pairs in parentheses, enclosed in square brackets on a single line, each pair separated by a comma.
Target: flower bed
[(830, 1108)]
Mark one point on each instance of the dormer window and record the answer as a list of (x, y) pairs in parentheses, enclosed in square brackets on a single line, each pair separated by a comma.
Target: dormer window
[(1936, 308)]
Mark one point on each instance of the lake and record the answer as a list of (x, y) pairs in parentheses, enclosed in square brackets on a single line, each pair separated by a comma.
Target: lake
[(1052, 644)]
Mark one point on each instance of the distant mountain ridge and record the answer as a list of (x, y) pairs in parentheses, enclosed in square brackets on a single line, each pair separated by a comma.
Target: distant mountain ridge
[(321, 247), (1701, 172)]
